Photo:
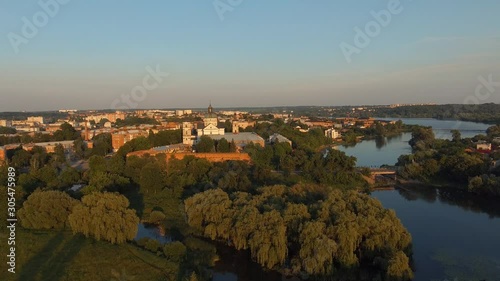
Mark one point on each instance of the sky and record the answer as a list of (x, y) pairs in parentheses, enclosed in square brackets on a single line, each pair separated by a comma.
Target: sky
[(90, 54)]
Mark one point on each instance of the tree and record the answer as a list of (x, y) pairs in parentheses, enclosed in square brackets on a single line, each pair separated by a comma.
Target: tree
[(47, 210), (223, 146), (493, 131), (28, 183), (205, 144), (156, 217), (175, 251), (59, 154), (102, 145), (399, 268), (317, 251), (422, 138), (48, 176), (232, 146), (21, 158), (7, 130), (66, 132), (69, 177), (79, 148), (105, 216), (456, 135), (152, 178)]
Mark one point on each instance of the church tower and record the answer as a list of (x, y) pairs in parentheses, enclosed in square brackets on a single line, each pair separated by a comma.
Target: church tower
[(211, 117), (210, 110)]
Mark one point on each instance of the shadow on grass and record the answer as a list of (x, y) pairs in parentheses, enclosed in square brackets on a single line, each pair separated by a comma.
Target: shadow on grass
[(30, 269), (47, 263), (56, 266)]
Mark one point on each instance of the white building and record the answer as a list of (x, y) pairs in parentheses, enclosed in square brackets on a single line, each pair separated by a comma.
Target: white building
[(187, 133), (210, 123), (36, 119), (332, 134)]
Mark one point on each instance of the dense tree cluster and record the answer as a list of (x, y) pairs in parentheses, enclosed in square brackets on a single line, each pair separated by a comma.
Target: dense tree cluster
[(207, 144), (135, 121), (7, 130), (487, 113), (307, 229)]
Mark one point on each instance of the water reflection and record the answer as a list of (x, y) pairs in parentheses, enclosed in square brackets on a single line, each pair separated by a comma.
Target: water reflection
[(450, 196), (238, 266), (455, 234), (380, 142), (458, 265), (153, 232)]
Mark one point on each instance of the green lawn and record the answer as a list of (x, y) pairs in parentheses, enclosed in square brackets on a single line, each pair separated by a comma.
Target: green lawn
[(61, 256)]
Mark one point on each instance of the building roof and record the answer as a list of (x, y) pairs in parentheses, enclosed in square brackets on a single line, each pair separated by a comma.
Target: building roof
[(170, 147), (70, 142), (278, 137), (244, 136)]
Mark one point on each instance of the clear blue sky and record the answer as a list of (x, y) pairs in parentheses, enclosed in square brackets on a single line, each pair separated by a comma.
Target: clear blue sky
[(263, 53)]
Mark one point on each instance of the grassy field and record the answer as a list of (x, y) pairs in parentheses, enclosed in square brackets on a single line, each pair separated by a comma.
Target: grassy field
[(61, 256)]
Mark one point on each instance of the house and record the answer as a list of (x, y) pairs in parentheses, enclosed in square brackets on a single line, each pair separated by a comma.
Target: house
[(49, 147), (485, 146), (279, 138)]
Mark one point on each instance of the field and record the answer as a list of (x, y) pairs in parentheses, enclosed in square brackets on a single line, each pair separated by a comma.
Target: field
[(61, 256)]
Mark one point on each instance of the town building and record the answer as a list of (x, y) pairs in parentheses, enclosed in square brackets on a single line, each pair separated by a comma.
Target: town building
[(118, 139), (485, 146), (241, 124), (49, 147), (240, 139), (5, 123), (332, 133), (192, 132), (35, 119), (279, 138), (188, 135), (211, 157), (210, 123)]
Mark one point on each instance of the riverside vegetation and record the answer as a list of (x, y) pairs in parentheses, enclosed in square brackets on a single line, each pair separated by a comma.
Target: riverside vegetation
[(453, 161), (298, 210)]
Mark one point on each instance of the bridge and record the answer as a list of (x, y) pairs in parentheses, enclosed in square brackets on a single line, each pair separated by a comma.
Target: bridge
[(382, 171), (388, 172)]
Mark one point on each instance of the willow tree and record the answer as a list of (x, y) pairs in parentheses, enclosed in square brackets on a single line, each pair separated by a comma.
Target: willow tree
[(46, 210), (105, 216), (210, 213), (268, 242), (317, 250)]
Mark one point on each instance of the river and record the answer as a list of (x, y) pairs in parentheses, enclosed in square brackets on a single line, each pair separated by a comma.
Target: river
[(378, 152), (456, 236)]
